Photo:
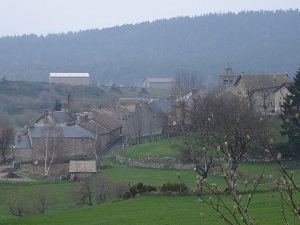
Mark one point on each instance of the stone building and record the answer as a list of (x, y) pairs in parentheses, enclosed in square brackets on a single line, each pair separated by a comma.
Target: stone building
[(227, 78), (67, 136), (38, 141), (265, 92)]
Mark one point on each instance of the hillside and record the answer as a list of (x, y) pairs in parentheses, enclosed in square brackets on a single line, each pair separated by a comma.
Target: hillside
[(252, 42)]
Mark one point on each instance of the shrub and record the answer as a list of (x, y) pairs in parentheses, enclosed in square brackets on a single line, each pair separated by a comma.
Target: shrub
[(174, 187), (126, 195), (139, 188)]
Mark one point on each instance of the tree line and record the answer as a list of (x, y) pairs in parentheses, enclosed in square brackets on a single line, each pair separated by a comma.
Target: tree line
[(252, 41)]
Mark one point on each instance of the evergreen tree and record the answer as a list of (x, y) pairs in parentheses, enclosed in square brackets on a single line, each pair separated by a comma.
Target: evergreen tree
[(290, 115), (57, 105)]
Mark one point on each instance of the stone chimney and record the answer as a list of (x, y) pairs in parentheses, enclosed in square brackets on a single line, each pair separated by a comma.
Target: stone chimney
[(45, 116), (83, 118)]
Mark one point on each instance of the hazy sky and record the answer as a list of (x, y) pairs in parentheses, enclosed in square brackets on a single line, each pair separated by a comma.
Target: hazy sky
[(53, 16)]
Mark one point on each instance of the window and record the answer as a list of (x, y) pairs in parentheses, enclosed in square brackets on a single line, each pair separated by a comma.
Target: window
[(226, 80)]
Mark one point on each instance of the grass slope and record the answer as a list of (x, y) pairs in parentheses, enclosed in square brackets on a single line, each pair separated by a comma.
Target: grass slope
[(159, 148), (153, 209)]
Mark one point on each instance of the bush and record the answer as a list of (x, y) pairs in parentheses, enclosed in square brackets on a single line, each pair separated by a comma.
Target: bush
[(139, 188), (174, 187), (127, 195)]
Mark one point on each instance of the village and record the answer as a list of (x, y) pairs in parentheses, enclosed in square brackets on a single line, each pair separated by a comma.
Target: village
[(84, 137), (157, 112)]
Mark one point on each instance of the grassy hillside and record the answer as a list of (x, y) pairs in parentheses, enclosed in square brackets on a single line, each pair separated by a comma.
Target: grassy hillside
[(160, 148), (152, 209)]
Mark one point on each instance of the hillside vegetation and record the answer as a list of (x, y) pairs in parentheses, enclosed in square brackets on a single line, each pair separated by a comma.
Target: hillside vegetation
[(23, 101), (252, 42)]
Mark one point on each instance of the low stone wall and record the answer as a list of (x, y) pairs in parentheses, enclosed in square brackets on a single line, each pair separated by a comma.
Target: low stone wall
[(162, 163)]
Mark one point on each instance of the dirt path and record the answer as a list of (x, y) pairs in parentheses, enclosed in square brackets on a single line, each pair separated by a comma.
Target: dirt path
[(9, 174)]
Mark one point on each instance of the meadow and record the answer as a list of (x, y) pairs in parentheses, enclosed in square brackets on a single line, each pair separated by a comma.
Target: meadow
[(153, 208)]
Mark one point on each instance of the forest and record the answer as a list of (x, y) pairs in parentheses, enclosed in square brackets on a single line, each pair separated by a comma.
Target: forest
[(251, 41)]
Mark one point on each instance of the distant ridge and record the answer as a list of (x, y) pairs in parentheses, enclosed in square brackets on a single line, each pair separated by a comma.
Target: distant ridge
[(252, 42)]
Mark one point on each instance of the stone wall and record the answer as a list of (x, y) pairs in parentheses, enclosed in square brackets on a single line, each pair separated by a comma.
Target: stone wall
[(23, 155), (154, 163)]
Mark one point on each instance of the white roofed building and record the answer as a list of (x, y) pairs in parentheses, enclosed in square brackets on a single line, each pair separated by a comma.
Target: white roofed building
[(155, 82), (70, 78)]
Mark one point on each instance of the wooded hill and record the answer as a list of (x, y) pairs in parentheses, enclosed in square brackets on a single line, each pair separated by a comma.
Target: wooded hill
[(252, 42)]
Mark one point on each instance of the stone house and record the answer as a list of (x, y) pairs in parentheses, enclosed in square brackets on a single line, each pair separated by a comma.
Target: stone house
[(38, 141), (142, 118), (149, 119), (104, 126), (80, 138), (130, 104), (279, 94), (264, 92)]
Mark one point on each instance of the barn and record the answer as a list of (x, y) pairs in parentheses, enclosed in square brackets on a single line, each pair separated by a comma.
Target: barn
[(162, 83), (70, 78)]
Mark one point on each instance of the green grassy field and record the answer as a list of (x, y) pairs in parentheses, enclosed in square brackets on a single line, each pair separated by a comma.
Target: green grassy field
[(159, 148), (152, 209), (149, 209)]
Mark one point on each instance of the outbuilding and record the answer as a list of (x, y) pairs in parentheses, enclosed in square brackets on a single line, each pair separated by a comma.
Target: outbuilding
[(70, 78)]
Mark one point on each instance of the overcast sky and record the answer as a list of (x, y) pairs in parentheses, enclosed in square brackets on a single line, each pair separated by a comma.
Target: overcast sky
[(53, 16)]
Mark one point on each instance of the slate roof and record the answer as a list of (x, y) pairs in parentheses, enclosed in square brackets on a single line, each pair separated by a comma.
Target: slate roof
[(107, 121), (22, 141), (59, 130), (82, 166), (262, 81), (62, 117), (161, 106), (94, 127), (132, 101)]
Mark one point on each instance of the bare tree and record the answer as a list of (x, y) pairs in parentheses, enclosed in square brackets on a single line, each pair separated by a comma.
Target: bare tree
[(185, 82), (53, 134), (83, 194), (92, 190), (103, 189), (42, 198), (18, 203), (223, 122), (234, 125), (6, 136), (249, 95)]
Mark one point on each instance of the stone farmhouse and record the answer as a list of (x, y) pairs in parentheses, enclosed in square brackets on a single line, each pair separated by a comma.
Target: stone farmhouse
[(150, 118), (104, 126), (80, 136), (265, 92), (154, 82), (38, 141), (69, 78), (142, 117), (130, 104)]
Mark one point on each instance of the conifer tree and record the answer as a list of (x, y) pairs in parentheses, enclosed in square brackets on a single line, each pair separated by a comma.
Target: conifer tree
[(290, 115)]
